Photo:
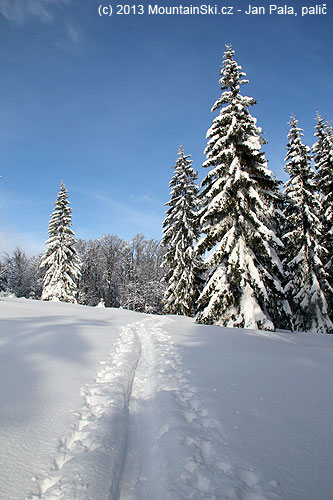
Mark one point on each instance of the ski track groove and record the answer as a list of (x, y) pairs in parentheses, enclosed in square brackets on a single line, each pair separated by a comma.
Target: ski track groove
[(89, 457), (97, 459)]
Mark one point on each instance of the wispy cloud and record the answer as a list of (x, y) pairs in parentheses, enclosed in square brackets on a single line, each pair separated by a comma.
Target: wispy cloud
[(122, 213), (72, 39), (145, 198), (129, 214), (21, 11), (69, 36)]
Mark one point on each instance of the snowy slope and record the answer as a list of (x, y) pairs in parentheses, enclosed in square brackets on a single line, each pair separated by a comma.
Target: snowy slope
[(103, 404)]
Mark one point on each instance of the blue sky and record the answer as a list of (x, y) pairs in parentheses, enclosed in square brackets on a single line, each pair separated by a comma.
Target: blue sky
[(103, 104)]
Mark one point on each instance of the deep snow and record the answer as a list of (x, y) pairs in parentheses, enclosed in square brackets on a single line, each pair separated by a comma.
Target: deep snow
[(107, 404)]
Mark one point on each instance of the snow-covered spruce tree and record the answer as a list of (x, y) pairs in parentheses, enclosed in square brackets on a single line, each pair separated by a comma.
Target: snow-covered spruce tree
[(323, 161), (239, 198), (306, 278), (60, 258), (181, 263)]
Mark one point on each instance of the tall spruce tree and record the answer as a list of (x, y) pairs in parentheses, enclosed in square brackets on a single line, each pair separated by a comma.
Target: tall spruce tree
[(181, 263), (60, 258), (306, 278), (323, 161), (239, 196)]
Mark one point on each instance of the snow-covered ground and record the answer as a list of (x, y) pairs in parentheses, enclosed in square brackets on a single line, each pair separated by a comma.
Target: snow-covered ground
[(106, 404)]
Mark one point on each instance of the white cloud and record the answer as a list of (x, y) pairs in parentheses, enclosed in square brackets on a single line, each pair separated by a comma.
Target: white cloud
[(21, 10)]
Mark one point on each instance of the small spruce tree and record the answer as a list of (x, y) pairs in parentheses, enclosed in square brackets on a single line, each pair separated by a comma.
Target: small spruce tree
[(306, 278), (239, 198), (181, 263), (60, 258)]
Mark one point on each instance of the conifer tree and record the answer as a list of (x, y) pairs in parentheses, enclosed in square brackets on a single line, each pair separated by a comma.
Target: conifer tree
[(323, 161), (181, 263), (60, 258), (239, 197), (306, 278)]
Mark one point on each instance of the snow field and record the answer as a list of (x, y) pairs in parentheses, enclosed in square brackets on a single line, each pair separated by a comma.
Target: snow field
[(173, 411), (143, 432), (48, 352)]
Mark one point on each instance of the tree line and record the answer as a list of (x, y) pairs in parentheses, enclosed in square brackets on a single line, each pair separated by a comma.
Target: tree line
[(113, 272), (237, 252)]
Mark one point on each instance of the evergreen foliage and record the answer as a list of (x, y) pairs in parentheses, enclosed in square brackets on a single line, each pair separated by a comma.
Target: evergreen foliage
[(306, 278), (60, 258), (181, 263), (239, 199), (323, 160)]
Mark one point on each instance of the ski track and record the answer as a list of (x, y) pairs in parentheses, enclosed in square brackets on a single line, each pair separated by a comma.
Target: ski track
[(187, 448), (90, 457), (143, 433)]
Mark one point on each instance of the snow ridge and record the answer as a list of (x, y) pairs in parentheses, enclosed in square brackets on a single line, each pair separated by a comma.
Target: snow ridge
[(90, 457)]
